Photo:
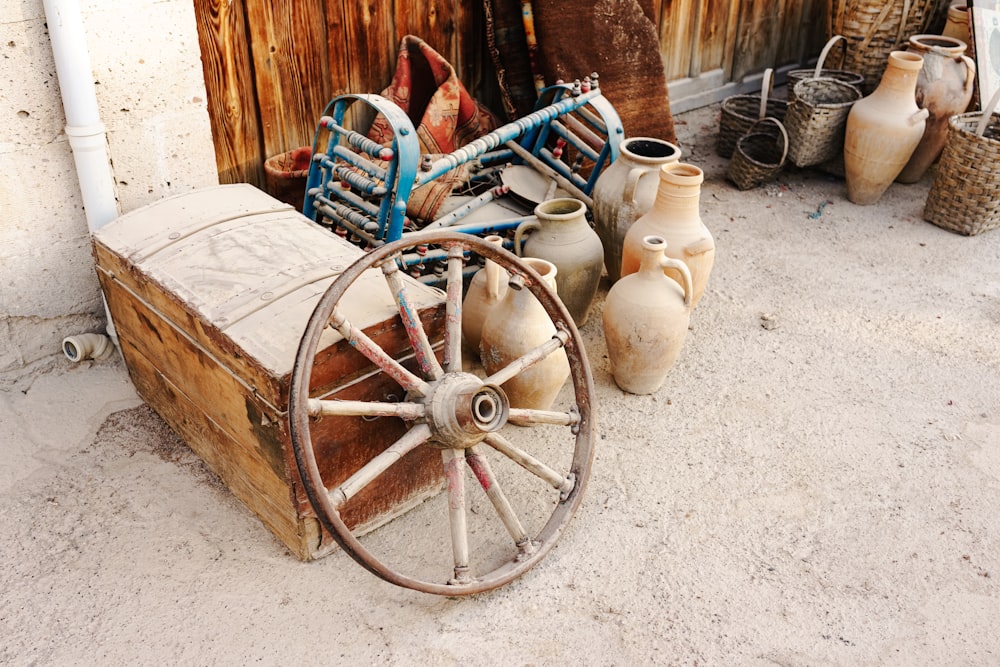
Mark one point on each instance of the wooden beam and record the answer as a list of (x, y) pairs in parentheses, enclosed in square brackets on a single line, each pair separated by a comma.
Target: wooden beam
[(232, 101), (437, 23), (758, 36), (677, 24), (729, 41), (291, 69), (370, 44)]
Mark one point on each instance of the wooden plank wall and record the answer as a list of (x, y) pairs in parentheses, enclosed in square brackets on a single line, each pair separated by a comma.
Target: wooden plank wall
[(232, 99), (738, 37), (271, 66)]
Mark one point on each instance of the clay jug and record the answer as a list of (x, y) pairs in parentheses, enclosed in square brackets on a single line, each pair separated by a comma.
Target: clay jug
[(957, 25), (626, 190), (561, 234), (516, 326), (676, 218), (883, 129), (944, 87), (486, 289), (646, 319)]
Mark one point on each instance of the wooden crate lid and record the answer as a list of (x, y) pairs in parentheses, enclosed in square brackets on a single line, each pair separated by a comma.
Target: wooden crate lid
[(250, 266)]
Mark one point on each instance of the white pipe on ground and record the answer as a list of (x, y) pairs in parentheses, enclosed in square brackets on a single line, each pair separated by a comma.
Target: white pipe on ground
[(87, 136), (87, 346)]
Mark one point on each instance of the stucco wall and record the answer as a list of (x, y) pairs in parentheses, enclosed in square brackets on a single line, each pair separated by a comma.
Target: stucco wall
[(147, 71)]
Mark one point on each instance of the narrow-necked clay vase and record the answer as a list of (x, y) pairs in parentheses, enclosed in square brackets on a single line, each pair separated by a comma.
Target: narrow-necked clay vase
[(676, 217), (883, 129), (561, 234), (486, 289), (516, 326), (646, 319), (944, 88), (625, 190)]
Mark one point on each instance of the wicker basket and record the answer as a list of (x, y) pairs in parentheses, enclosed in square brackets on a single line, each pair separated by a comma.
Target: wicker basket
[(965, 194), (875, 28), (759, 155), (816, 120), (796, 75), (739, 112)]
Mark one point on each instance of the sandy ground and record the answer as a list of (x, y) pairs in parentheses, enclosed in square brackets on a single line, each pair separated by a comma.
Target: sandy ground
[(817, 483)]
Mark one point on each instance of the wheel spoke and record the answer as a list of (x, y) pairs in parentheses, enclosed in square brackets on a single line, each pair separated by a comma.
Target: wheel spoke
[(526, 417), (564, 484), (484, 473), (453, 320), (454, 472), (422, 349), (366, 346), (413, 438), (528, 360), (407, 411)]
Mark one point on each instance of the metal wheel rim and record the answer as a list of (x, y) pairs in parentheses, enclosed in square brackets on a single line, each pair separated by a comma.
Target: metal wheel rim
[(583, 392)]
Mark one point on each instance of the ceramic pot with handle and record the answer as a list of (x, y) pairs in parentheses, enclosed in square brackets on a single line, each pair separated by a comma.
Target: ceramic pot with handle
[(625, 190), (944, 87), (646, 318), (676, 217), (883, 129), (561, 234)]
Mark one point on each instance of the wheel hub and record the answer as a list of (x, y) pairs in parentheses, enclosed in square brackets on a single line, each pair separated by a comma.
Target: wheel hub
[(461, 410)]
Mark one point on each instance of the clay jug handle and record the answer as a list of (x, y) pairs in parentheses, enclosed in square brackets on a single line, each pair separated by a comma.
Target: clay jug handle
[(531, 224), (678, 265), (920, 116), (631, 183), (698, 247), (970, 74), (826, 51)]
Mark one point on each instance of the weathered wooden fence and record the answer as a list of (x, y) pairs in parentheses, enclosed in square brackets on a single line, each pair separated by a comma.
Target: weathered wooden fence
[(710, 46), (272, 65)]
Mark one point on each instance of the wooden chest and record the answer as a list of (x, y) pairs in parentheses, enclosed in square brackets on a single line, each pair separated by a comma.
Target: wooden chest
[(210, 292)]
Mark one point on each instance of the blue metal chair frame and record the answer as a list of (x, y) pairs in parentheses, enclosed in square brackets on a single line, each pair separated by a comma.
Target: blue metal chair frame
[(361, 188)]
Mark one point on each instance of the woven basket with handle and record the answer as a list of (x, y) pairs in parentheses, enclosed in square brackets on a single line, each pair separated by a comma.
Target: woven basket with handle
[(965, 193), (759, 155), (739, 112), (817, 118), (796, 75)]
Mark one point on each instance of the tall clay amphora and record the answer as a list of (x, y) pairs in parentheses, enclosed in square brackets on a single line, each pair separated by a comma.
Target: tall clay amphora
[(646, 319), (675, 216), (486, 290), (516, 326), (625, 191), (561, 234), (944, 88), (883, 129)]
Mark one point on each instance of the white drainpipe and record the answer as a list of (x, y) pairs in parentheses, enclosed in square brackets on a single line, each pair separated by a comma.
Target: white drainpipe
[(86, 133)]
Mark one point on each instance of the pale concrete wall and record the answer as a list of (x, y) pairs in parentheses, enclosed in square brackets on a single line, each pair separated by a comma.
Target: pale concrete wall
[(150, 88)]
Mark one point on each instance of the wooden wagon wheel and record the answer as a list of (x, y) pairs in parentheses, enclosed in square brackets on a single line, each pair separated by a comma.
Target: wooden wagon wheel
[(460, 413)]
